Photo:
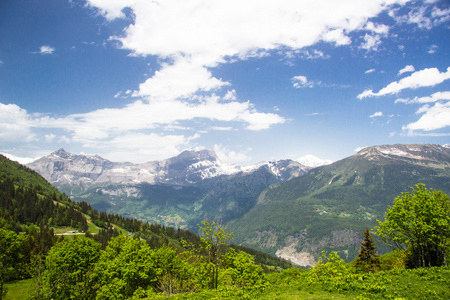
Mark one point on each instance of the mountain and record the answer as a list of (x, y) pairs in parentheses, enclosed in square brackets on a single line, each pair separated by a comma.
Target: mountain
[(280, 207), (178, 191), (330, 207), (27, 199)]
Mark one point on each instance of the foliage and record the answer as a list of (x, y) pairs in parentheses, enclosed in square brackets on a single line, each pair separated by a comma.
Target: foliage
[(125, 266), (213, 240), (175, 273), (419, 220), (333, 276), (69, 269), (367, 259), (240, 270), (329, 267), (396, 259), (11, 256)]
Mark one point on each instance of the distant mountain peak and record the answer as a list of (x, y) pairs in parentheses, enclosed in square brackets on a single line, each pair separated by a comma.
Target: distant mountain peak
[(62, 153), (201, 155)]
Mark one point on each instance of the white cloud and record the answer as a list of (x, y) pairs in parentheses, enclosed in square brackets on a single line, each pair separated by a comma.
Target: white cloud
[(230, 95), (15, 124), (197, 35), (230, 156), (144, 147), (425, 16), (377, 28), (371, 42), (433, 117), (20, 160), (422, 78), (433, 49), (377, 114), (408, 68), (365, 94), (301, 81), (111, 9), (49, 137), (222, 128), (438, 96), (336, 36), (369, 71), (314, 54), (46, 50), (179, 80)]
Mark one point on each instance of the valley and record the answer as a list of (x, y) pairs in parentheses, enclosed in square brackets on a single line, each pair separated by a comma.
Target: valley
[(282, 207)]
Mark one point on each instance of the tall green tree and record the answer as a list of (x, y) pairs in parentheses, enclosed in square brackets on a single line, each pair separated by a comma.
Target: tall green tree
[(367, 259), (11, 256), (126, 265), (69, 269), (213, 239), (419, 222)]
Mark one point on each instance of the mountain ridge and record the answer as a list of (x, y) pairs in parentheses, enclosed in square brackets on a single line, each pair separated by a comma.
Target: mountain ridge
[(187, 167), (178, 191), (278, 207), (330, 206)]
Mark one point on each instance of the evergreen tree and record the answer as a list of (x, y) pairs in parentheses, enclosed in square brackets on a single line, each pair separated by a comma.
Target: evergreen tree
[(367, 259)]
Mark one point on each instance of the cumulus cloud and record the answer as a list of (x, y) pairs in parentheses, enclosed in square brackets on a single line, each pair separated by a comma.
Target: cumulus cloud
[(179, 80), (422, 78), (377, 114), (301, 81), (143, 146), (230, 156), (194, 36), (427, 99), (408, 68), (189, 39), (433, 117), (15, 124), (46, 50), (371, 42)]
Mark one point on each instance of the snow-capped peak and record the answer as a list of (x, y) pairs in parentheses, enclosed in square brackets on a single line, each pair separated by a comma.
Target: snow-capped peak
[(313, 161)]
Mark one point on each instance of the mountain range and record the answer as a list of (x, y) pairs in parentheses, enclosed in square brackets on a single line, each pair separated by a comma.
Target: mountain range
[(280, 207), (178, 191)]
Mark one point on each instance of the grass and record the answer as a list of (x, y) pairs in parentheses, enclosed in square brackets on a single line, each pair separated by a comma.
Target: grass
[(19, 290)]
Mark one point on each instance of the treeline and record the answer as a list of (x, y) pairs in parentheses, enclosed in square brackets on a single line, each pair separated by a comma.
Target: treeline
[(27, 205)]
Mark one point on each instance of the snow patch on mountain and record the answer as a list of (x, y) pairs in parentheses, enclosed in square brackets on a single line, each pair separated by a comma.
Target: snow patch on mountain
[(313, 161)]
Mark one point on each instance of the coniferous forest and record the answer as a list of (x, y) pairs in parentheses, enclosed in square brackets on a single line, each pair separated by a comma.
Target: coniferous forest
[(54, 248)]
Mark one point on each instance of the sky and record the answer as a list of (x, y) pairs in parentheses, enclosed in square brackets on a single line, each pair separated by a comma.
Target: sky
[(253, 80)]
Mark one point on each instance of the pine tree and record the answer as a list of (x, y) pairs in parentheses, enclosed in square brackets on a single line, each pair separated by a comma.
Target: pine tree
[(367, 259)]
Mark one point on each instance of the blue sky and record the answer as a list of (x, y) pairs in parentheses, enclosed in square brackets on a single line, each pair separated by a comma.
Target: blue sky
[(254, 80)]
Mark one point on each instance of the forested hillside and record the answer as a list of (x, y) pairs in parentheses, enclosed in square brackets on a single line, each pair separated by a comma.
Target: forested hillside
[(329, 207), (31, 210)]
